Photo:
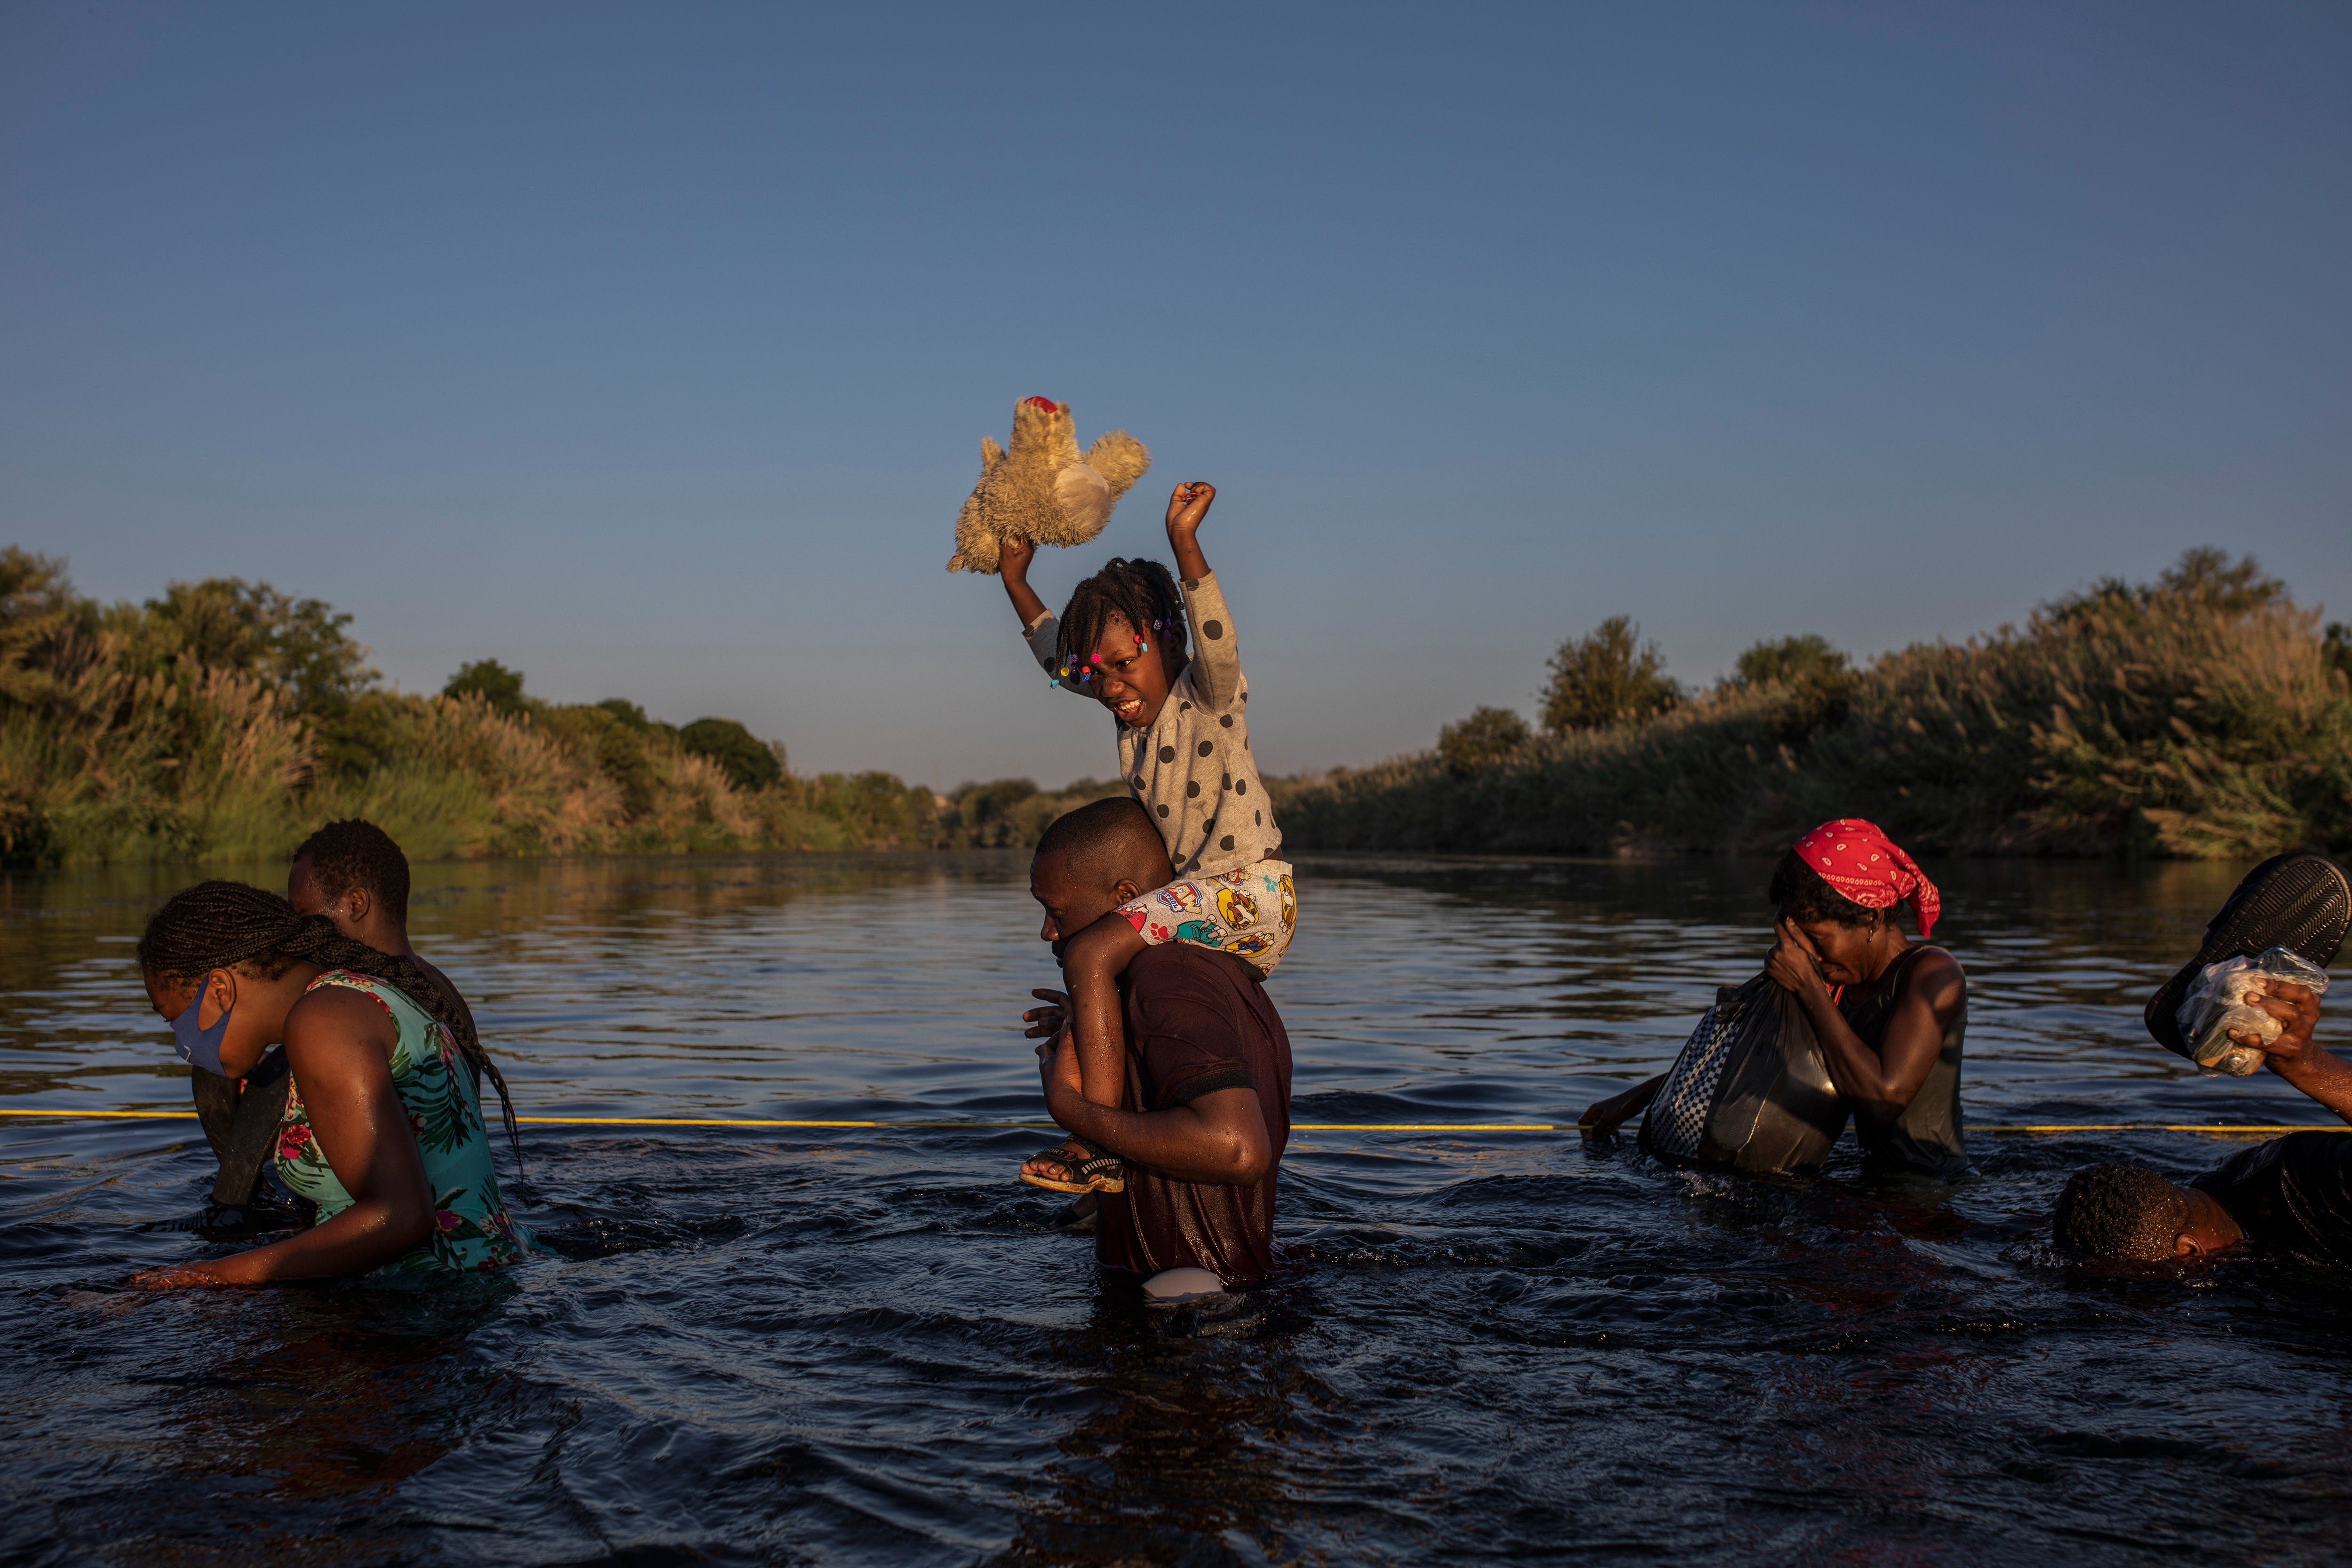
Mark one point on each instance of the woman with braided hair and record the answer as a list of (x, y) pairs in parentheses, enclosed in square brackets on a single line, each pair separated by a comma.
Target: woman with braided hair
[(1184, 752), (381, 1130)]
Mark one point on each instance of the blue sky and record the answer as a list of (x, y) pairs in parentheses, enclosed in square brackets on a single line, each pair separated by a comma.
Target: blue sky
[(649, 348)]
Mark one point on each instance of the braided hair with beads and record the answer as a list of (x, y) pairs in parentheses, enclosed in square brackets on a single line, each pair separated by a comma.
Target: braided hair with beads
[(1141, 594), (220, 924)]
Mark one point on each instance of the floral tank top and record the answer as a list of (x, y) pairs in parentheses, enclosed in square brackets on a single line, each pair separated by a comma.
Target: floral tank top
[(472, 1230)]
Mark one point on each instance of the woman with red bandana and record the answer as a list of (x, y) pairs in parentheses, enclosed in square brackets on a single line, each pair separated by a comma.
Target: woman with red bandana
[(1890, 1013)]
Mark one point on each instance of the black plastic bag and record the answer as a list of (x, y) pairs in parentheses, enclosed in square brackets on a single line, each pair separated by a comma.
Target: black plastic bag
[(1751, 1091)]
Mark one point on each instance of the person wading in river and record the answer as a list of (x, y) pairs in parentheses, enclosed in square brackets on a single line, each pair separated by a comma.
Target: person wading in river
[(352, 872), (1890, 1013), (383, 1126), (1205, 1109), (2290, 1198)]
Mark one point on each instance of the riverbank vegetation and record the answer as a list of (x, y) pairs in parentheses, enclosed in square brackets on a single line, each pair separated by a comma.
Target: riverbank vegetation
[(225, 720), (2202, 715)]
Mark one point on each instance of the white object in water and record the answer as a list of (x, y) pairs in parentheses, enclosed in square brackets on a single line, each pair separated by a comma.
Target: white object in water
[(1180, 1287), (2222, 999)]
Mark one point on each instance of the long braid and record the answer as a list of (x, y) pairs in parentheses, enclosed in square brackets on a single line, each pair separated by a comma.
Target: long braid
[(219, 924), (1139, 593)]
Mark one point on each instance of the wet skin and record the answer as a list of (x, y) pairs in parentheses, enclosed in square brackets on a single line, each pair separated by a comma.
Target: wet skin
[(339, 1044), (1813, 956), (359, 915), (1130, 681), (1219, 1137), (1808, 959), (1132, 671), (1083, 907), (2206, 1226)]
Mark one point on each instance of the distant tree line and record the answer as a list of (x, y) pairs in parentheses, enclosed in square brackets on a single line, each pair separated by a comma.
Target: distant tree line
[(225, 719), (2203, 714)]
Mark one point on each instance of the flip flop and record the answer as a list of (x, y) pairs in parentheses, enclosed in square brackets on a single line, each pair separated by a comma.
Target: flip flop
[(2301, 902), (1096, 1171)]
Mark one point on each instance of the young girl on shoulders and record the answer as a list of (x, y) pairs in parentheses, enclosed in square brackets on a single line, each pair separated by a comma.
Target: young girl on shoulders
[(1160, 655)]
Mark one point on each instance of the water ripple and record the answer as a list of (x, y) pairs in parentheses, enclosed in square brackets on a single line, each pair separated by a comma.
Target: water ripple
[(871, 1345)]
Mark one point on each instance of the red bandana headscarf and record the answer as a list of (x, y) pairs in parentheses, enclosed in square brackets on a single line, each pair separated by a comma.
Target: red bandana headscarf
[(1858, 860)]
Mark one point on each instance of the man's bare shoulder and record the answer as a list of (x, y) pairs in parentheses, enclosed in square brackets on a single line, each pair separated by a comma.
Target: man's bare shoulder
[(446, 987)]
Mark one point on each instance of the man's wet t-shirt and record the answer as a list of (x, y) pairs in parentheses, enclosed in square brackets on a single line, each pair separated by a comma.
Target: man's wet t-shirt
[(2292, 1197), (1196, 1022)]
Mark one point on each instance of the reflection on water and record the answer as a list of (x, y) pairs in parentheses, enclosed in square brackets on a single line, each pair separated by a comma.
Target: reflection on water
[(872, 1347)]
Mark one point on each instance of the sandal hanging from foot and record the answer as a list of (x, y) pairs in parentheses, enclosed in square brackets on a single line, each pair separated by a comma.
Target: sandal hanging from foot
[(1092, 1170)]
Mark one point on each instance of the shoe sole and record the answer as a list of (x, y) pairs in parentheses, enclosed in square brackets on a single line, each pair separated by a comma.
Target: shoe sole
[(2301, 903)]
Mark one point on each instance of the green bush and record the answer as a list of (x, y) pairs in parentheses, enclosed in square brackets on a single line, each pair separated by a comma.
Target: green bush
[(1809, 682), (1792, 660), (627, 713), (1609, 677), (1488, 737), (874, 809), (747, 761), (491, 681), (1012, 813)]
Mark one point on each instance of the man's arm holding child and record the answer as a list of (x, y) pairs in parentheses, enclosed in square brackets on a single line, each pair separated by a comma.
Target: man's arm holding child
[(1219, 1137)]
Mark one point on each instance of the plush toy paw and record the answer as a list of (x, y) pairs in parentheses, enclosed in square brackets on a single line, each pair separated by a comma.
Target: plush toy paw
[(1042, 488)]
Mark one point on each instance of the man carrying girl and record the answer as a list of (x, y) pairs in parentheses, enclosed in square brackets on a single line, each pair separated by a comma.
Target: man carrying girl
[(1165, 662)]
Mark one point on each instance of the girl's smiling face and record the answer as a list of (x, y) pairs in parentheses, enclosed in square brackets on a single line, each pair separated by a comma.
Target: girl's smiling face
[(1130, 674)]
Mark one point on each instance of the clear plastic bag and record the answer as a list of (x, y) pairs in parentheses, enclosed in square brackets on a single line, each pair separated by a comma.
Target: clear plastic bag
[(2222, 999)]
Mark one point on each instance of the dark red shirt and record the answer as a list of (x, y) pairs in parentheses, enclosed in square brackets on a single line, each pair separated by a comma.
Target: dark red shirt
[(1197, 1021)]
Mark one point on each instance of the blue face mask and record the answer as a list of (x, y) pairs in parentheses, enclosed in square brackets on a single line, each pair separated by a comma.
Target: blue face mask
[(200, 1047)]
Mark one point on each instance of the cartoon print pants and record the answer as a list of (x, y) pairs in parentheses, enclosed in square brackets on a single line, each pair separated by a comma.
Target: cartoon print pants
[(1249, 913)]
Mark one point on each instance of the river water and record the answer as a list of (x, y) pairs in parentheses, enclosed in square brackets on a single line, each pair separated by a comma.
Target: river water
[(782, 1346)]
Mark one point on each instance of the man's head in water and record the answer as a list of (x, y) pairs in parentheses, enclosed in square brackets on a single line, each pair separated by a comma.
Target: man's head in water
[(1093, 860), (353, 873), (2128, 1213)]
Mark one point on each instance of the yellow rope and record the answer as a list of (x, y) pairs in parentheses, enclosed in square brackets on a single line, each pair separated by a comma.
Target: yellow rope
[(2162, 1127), (116, 1115), (1295, 1127)]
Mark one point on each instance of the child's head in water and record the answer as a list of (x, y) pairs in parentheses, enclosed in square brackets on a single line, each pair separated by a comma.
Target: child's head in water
[(1122, 639)]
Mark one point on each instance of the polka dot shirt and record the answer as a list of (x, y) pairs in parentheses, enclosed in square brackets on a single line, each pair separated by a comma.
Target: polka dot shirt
[(1193, 768)]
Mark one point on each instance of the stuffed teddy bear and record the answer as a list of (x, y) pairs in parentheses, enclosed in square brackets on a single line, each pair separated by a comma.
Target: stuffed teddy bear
[(1042, 488)]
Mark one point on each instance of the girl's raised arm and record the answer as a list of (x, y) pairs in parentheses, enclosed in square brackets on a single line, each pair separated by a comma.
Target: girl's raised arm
[(1038, 625), (1216, 667), (1013, 556)]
